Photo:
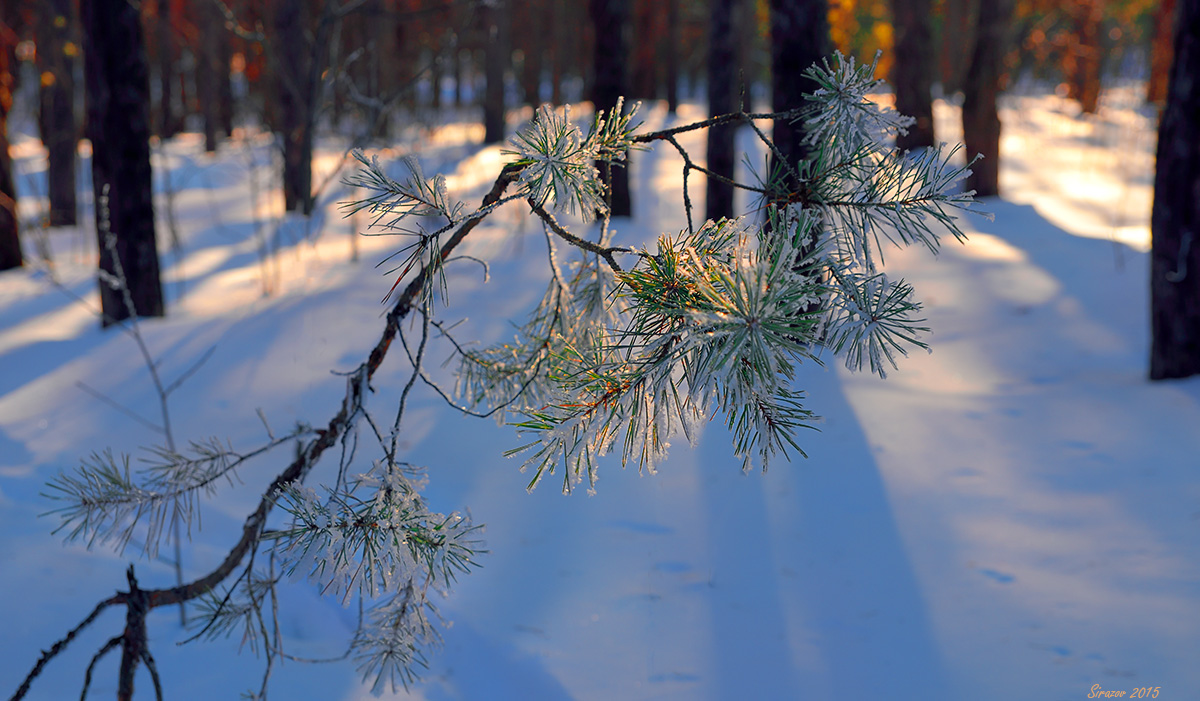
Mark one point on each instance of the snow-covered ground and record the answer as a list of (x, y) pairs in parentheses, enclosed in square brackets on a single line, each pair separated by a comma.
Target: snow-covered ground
[(1015, 515)]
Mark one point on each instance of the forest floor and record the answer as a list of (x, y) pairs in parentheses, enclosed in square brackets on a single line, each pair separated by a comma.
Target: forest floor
[(1014, 515)]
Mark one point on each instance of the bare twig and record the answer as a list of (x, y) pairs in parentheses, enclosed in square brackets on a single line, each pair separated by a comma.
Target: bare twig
[(61, 644), (87, 676), (603, 252)]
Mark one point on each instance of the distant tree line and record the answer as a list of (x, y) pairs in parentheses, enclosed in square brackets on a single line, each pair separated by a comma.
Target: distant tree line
[(161, 66)]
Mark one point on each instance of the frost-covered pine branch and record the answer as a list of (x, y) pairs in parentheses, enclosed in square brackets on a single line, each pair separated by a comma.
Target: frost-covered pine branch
[(615, 357), (107, 502)]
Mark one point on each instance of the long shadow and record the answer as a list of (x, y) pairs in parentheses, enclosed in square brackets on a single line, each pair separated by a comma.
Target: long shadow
[(1097, 460), (820, 600)]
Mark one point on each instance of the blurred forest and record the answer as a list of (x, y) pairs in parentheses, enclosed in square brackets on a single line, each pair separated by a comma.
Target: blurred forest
[(364, 69)]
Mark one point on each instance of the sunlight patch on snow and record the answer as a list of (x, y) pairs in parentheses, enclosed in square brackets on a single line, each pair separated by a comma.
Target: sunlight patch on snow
[(223, 292), (1091, 175), (61, 325), (988, 247), (477, 171)]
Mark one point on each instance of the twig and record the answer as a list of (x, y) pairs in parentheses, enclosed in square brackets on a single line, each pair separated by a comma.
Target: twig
[(118, 406), (148, 659), (60, 645), (605, 253), (87, 676)]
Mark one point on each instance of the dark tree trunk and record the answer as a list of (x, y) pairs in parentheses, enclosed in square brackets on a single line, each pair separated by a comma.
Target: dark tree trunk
[(532, 44), (912, 75), (10, 241), (56, 116), (673, 49), (118, 107), (224, 61), (554, 50), (437, 68), (497, 56), (1175, 219), (456, 68), (981, 120), (1160, 52), (290, 62), (722, 88), (211, 26), (13, 20), (610, 19), (648, 35), (958, 36), (799, 38), (1084, 58), (168, 119)]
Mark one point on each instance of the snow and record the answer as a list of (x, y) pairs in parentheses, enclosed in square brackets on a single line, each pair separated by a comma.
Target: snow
[(1014, 515)]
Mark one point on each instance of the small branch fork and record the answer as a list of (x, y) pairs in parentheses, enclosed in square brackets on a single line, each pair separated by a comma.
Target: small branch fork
[(139, 602)]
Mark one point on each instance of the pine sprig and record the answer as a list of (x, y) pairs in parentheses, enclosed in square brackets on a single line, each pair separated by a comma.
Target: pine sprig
[(107, 502), (371, 537)]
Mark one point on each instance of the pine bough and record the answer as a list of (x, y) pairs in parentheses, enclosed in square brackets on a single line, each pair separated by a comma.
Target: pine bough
[(626, 349)]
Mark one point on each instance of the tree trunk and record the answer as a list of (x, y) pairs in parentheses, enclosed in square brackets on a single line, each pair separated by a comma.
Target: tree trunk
[(1175, 218), (533, 45), (437, 68), (10, 241), (456, 68), (290, 62), (912, 74), (168, 120), (722, 87), (981, 120), (958, 36), (224, 76), (1084, 57), (673, 49), (56, 117), (799, 38), (118, 108), (1160, 53), (555, 55), (648, 36), (211, 30), (498, 56), (610, 19)]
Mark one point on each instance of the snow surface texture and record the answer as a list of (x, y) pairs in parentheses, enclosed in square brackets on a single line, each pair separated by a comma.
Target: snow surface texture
[(1016, 515)]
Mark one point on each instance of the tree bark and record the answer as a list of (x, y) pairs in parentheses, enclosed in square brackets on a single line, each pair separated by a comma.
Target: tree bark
[(533, 46), (912, 74), (722, 88), (673, 49), (290, 62), (222, 60), (610, 19), (981, 120), (958, 36), (134, 644), (498, 56), (1084, 56), (168, 120), (10, 241), (1160, 52), (118, 107), (1175, 218), (799, 38), (211, 30), (56, 117), (648, 35)]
